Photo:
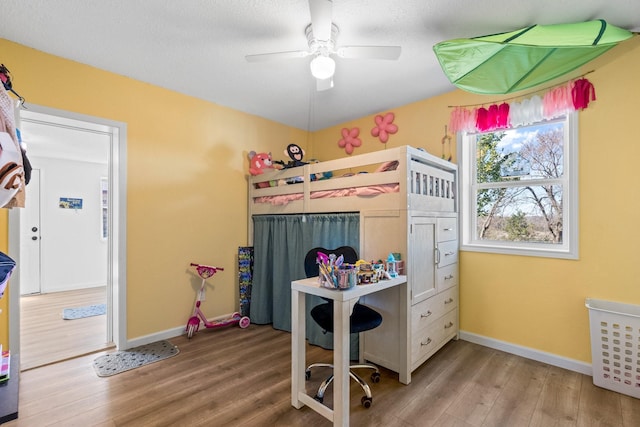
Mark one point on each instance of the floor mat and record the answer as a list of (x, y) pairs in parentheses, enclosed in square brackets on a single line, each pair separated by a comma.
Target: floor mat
[(86, 311), (121, 361)]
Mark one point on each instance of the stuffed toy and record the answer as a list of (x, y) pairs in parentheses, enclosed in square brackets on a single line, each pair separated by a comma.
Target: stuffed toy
[(258, 162), (320, 176), (295, 153)]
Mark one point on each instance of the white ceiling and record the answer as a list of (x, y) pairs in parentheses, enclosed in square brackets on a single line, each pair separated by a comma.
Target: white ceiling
[(197, 47)]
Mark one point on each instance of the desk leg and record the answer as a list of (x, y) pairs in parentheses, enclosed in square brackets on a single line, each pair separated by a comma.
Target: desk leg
[(297, 347), (341, 327)]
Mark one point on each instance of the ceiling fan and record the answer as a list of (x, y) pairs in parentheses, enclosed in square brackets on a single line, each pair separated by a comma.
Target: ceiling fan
[(322, 34)]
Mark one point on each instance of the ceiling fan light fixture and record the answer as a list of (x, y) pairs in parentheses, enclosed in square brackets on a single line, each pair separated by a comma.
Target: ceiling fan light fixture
[(322, 67)]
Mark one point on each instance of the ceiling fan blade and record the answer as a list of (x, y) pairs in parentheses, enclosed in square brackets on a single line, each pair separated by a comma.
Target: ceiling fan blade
[(321, 15), (262, 57), (369, 52)]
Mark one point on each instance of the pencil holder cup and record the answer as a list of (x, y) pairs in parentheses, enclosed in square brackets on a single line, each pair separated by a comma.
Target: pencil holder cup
[(342, 278)]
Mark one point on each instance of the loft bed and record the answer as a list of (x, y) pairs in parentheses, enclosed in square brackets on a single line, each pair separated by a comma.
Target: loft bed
[(393, 190), (403, 178)]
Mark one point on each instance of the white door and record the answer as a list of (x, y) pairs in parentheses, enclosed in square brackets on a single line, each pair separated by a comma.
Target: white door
[(422, 259), (30, 237)]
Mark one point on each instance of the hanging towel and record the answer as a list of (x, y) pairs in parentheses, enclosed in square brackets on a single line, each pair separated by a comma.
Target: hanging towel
[(583, 92), (12, 191)]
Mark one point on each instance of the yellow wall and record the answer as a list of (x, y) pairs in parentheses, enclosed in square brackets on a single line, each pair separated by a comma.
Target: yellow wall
[(539, 302), (187, 196)]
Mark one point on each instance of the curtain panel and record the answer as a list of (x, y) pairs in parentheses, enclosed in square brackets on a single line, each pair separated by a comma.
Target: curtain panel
[(280, 245)]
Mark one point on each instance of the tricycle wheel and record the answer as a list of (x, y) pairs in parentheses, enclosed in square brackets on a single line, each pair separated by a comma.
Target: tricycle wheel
[(191, 329), (244, 322)]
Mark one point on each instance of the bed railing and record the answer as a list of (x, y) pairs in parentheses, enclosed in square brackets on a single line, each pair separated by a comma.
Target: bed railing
[(422, 182)]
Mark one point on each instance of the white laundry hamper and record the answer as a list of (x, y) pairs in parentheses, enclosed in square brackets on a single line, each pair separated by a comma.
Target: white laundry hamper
[(615, 345)]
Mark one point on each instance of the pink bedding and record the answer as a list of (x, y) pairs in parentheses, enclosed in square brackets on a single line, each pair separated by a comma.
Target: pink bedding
[(373, 190)]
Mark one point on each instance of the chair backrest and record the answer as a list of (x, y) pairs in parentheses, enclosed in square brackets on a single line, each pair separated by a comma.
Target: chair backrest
[(311, 266)]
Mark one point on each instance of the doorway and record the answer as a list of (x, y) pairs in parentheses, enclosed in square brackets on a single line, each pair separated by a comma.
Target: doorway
[(30, 237), (72, 139)]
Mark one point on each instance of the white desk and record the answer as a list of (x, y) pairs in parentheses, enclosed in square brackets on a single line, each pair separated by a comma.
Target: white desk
[(341, 313)]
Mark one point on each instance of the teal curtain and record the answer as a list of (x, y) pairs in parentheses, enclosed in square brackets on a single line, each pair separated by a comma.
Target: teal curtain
[(280, 245)]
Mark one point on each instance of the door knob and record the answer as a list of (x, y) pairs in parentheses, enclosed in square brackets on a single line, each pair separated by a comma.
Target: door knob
[(34, 229), (34, 238)]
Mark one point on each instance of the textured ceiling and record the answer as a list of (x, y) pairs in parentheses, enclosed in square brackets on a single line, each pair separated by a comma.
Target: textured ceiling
[(197, 47)]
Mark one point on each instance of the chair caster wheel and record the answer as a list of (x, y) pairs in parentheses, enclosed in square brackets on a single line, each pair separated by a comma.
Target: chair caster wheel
[(319, 398), (366, 401), (307, 375), (375, 377)]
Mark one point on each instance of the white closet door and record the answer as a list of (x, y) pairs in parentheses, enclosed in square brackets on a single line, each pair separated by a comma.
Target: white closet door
[(422, 258)]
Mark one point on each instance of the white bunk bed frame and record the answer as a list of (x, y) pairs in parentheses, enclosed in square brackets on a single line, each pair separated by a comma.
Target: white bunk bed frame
[(426, 184)]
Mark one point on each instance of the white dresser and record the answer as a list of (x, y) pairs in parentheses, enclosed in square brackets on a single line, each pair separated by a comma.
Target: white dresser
[(428, 243)]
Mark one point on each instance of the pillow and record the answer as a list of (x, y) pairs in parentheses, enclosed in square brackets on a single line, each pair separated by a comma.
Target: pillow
[(388, 166)]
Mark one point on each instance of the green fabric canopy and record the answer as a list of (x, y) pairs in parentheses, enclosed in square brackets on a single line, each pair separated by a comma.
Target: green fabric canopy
[(510, 62)]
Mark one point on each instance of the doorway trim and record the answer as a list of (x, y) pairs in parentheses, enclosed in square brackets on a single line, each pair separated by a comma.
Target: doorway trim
[(117, 226)]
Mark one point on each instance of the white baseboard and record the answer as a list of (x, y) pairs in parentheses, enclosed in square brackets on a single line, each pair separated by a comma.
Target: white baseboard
[(158, 336), (529, 353), (75, 287), (166, 334)]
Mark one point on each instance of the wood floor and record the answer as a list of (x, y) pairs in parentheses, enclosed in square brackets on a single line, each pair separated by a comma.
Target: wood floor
[(241, 377), (45, 337)]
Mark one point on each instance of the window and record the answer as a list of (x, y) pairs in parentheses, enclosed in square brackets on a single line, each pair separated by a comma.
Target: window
[(519, 190)]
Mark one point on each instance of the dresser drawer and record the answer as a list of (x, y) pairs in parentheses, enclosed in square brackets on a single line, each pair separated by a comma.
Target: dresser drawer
[(426, 341), (446, 277), (449, 325), (424, 314), (427, 311), (448, 253), (447, 229), (449, 299)]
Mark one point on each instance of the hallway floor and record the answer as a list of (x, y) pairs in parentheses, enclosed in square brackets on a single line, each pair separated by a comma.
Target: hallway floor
[(45, 337)]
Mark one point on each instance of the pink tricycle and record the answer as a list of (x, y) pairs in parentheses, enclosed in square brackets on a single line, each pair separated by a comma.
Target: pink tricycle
[(206, 271)]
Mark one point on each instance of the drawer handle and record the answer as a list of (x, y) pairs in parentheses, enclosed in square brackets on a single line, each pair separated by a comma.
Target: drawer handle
[(426, 343), (427, 314), (449, 253), (449, 277), (448, 229), (448, 301), (448, 325)]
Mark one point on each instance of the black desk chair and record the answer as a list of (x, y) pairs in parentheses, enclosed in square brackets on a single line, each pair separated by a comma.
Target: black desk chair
[(362, 319)]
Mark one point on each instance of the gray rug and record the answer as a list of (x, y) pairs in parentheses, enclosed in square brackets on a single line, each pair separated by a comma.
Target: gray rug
[(121, 361), (86, 311)]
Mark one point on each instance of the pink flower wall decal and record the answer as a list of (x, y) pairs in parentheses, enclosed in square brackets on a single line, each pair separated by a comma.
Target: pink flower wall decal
[(350, 139), (384, 127)]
